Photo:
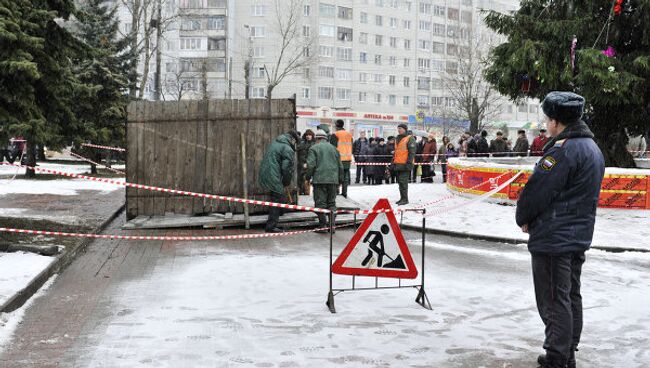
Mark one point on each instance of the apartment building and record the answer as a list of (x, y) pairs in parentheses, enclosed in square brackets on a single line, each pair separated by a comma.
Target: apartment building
[(372, 62)]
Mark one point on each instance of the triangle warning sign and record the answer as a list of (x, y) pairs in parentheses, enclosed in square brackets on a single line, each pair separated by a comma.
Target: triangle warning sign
[(377, 248)]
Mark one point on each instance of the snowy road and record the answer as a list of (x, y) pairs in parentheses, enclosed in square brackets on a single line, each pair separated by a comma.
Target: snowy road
[(261, 304)]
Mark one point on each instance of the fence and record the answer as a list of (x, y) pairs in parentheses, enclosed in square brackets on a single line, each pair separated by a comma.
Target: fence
[(197, 146)]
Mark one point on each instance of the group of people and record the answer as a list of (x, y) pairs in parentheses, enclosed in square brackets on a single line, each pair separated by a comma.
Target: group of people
[(10, 148), (477, 145)]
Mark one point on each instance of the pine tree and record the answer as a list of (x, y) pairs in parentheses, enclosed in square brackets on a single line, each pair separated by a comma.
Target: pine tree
[(109, 67), (597, 48)]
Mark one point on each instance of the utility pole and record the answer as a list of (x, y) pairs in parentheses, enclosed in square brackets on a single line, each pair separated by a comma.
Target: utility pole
[(248, 65), (230, 78), (158, 51)]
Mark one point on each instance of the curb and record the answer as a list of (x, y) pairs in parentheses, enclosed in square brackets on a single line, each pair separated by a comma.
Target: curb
[(57, 266), (497, 239)]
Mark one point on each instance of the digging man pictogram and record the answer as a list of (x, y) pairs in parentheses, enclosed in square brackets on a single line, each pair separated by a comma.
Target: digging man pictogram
[(373, 238)]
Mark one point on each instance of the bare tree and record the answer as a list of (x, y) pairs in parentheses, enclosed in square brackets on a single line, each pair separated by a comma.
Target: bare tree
[(178, 84), (475, 99), (294, 49)]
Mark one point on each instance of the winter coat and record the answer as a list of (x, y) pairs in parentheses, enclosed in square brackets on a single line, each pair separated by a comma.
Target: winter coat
[(410, 146), (324, 164), (381, 153), (472, 147), (538, 145), (521, 146), (303, 149), (276, 169), (499, 148), (559, 201), (364, 152), (357, 147), (442, 154), (482, 146), (429, 151)]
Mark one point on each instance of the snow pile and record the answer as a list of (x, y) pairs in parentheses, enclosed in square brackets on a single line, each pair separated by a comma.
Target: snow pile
[(614, 227), (17, 270), (56, 187)]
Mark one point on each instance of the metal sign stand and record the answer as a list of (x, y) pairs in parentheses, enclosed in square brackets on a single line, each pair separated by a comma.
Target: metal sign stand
[(421, 298)]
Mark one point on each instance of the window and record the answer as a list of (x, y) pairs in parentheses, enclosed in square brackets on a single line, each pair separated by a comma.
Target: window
[(424, 63), (423, 101), (407, 44), (452, 31), (363, 38), (325, 93), (258, 51), (438, 65), (438, 47), (379, 20), (452, 49), (393, 4), (217, 43), (363, 18), (532, 109), (424, 83), (345, 13), (452, 67), (326, 71), (216, 3), (344, 53), (306, 73), (306, 10), (379, 3), (437, 101), (391, 80), (465, 33), (326, 51), (392, 100), (327, 30), (439, 10), (363, 57), (466, 16), (522, 108), (378, 59), (258, 31), (305, 31), (377, 97), (436, 83), (407, 63), (190, 43), (424, 45), (258, 10), (467, 2), (407, 82), (425, 25), (327, 10), (306, 93), (425, 8), (452, 14), (306, 51), (406, 24), (344, 34), (379, 40), (343, 93), (393, 42), (406, 100), (363, 96), (217, 23), (393, 22), (171, 67), (257, 92), (259, 72), (190, 25), (191, 4), (378, 78), (363, 77), (439, 29), (392, 60)]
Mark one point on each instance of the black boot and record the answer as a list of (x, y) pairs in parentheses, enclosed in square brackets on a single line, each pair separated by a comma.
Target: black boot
[(544, 362)]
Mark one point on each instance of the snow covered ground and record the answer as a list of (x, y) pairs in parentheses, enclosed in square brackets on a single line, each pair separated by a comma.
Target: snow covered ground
[(17, 270), (75, 168), (614, 227), (57, 187)]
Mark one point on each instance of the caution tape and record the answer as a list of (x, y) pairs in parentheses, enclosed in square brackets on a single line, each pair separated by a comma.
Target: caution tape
[(96, 163), (119, 149), (390, 163)]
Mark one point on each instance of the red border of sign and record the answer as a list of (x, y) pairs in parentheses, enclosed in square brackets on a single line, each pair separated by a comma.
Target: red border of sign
[(412, 272)]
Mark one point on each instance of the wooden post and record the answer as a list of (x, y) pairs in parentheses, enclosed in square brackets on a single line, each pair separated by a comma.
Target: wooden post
[(244, 169)]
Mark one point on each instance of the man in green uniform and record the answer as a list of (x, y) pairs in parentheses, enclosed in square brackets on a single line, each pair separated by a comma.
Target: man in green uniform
[(403, 161), (325, 169)]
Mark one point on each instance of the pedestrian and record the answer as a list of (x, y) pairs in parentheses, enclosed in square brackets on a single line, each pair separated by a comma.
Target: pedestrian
[(276, 171), (403, 161), (419, 151), (303, 148), (325, 169), (508, 147), (537, 148), (472, 145), (498, 146), (637, 146), (344, 146), (366, 152), (391, 151), (451, 151), (442, 157), (381, 153), (557, 207), (462, 144), (428, 156), (482, 146), (357, 147), (521, 146), (4, 145)]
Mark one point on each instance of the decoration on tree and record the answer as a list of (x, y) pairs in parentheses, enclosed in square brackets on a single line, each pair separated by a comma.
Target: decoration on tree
[(618, 7), (574, 44), (609, 52)]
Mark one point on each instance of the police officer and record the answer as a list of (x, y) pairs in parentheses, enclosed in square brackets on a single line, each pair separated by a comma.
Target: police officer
[(325, 170), (403, 161), (558, 209)]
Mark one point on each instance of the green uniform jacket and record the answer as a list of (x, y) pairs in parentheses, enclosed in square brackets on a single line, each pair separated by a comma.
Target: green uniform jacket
[(276, 169), (324, 164), (411, 148)]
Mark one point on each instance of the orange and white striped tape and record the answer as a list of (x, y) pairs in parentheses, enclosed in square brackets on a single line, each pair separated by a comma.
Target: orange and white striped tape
[(96, 163), (119, 149)]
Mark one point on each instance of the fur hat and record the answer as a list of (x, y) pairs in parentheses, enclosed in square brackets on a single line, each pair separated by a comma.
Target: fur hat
[(404, 126), (320, 134), (565, 107)]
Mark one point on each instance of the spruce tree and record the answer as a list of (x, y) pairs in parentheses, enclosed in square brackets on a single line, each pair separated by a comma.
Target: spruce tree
[(597, 48)]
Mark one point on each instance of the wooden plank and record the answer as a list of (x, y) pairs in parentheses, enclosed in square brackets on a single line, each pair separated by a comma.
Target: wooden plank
[(149, 153), (141, 194), (171, 131), (132, 160), (160, 160), (186, 169), (198, 179)]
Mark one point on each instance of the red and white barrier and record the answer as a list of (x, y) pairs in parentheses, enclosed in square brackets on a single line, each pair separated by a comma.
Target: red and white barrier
[(119, 149), (96, 163)]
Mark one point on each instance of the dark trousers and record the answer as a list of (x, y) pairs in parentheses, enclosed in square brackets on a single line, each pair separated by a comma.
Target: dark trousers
[(428, 172), (275, 212), (557, 291), (443, 166), (346, 178), (361, 174), (325, 197), (403, 182)]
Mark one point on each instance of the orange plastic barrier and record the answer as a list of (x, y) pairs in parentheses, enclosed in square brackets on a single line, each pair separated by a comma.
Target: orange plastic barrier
[(618, 191)]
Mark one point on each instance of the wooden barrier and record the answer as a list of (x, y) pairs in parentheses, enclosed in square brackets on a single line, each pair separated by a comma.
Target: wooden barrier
[(624, 191)]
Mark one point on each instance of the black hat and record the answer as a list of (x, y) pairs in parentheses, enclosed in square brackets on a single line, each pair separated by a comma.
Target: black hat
[(404, 126), (521, 131), (295, 135), (543, 130), (565, 107), (381, 140), (340, 123), (390, 137), (499, 133), (484, 133)]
